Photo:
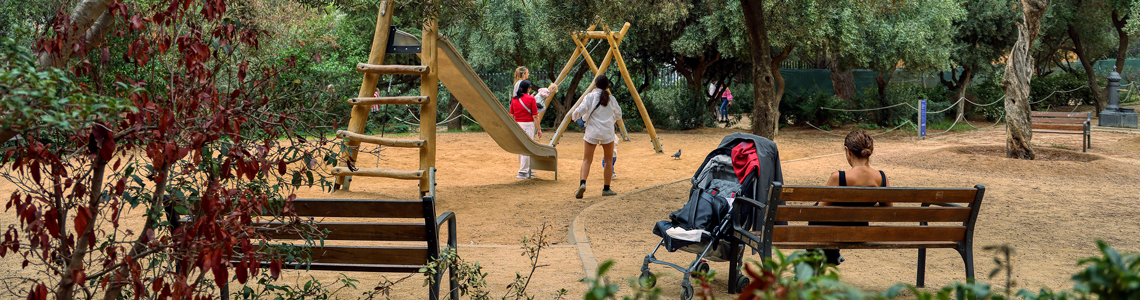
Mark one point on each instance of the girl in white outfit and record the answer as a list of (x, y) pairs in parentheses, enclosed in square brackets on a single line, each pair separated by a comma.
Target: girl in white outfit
[(600, 111)]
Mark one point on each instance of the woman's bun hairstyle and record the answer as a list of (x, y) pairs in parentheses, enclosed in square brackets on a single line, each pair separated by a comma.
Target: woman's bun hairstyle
[(860, 144)]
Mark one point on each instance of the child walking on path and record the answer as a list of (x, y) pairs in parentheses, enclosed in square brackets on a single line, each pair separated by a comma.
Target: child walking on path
[(524, 109), (600, 111)]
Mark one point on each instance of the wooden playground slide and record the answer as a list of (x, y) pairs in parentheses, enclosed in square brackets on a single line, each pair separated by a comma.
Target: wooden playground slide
[(465, 85)]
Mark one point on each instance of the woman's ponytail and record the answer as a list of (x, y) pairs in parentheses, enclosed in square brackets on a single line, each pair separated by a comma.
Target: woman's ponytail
[(603, 83)]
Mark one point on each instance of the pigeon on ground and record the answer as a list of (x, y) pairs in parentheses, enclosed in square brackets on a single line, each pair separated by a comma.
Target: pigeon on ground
[(677, 155)]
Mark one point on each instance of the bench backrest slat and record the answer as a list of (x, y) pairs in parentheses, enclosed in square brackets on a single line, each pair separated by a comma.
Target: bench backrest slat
[(415, 255), (855, 234), (1078, 121), (861, 194), (359, 208), (1049, 114), (356, 231), (872, 214), (1053, 126)]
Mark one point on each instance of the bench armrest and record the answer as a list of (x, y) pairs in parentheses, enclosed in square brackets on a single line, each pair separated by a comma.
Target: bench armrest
[(751, 202), (448, 217)]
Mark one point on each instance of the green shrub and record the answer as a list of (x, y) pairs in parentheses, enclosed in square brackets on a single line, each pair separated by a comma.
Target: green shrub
[(1066, 89), (677, 108), (809, 108), (987, 90)]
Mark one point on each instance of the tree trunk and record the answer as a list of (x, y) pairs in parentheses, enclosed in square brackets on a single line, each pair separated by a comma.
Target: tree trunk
[(454, 106), (66, 289), (1122, 39), (568, 101), (881, 81), (115, 287), (842, 79), (1015, 82), (1090, 74), (787, 51), (961, 84), (82, 17), (766, 109)]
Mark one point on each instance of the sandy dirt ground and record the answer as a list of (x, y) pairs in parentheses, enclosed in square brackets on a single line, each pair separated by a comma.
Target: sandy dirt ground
[(1049, 210)]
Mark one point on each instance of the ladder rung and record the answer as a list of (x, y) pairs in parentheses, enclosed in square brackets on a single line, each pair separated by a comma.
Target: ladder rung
[(379, 172), (389, 100), (356, 137), (391, 69)]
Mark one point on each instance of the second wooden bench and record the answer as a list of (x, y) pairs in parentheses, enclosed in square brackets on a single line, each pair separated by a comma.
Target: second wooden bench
[(1064, 123), (927, 205)]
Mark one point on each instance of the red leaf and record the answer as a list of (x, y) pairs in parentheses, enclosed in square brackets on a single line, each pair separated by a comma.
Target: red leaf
[(226, 169), (39, 293), (79, 277), (274, 268), (120, 186), (36, 171), (221, 274), (157, 285), (107, 150), (82, 217), (240, 272), (52, 222)]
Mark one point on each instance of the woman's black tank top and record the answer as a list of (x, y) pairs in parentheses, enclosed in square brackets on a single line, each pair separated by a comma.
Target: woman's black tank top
[(843, 182)]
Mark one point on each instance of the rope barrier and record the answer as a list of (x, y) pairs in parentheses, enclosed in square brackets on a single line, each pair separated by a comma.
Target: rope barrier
[(956, 120), (873, 135), (988, 104), (868, 109), (952, 105), (1054, 93)]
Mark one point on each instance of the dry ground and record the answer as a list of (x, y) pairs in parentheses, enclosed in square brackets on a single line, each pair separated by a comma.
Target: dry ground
[(1050, 210)]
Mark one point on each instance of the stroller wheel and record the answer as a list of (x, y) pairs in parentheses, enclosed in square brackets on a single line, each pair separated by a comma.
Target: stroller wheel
[(647, 279), (703, 267), (686, 292), (741, 282)]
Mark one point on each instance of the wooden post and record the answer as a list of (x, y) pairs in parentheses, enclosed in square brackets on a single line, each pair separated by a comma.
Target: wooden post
[(429, 86), (636, 97), (589, 60), (367, 87), (562, 75)]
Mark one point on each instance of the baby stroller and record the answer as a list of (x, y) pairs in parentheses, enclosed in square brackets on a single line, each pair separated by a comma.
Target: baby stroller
[(744, 165)]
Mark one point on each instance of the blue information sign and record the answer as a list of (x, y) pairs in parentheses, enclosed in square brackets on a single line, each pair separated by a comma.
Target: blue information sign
[(922, 117)]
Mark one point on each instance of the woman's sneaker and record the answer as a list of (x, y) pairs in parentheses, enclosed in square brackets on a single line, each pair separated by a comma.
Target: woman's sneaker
[(608, 193), (581, 191)]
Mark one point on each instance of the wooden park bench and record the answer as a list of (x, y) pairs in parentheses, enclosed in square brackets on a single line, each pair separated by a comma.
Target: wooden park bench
[(1064, 123), (926, 205), (405, 221)]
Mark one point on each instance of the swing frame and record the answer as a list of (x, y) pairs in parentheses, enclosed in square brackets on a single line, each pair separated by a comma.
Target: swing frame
[(614, 38)]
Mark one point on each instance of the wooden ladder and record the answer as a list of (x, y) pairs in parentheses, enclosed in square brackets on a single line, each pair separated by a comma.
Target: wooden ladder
[(429, 89)]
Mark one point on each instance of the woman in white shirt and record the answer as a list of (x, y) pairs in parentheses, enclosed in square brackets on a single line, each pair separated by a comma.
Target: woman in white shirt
[(600, 111)]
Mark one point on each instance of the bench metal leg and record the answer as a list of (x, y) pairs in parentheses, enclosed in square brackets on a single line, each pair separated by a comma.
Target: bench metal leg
[(921, 280), (967, 251), (434, 288)]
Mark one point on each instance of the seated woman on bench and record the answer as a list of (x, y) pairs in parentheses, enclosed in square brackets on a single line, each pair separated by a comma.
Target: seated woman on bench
[(859, 146)]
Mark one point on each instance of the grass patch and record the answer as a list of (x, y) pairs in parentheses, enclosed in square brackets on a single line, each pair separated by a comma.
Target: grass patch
[(945, 124)]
